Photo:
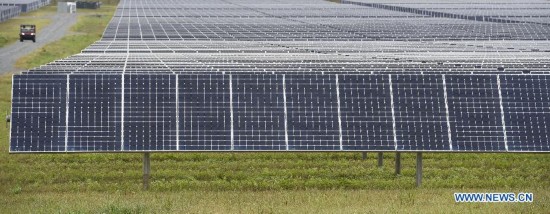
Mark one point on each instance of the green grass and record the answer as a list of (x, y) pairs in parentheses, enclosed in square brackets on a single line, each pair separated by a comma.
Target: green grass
[(9, 32), (269, 172), (311, 201), (87, 30)]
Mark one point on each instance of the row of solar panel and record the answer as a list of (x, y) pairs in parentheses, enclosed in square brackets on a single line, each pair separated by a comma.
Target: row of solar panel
[(326, 29), (320, 21), (501, 16), (197, 112)]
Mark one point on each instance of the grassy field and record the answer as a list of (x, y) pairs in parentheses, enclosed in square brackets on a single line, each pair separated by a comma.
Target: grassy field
[(252, 182), (88, 29), (310, 201), (9, 32)]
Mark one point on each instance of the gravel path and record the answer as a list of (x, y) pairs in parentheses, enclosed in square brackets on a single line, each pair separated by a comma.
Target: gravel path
[(56, 30)]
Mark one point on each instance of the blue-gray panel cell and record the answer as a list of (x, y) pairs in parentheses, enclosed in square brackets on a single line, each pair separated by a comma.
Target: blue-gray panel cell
[(474, 112), (258, 111), (526, 102), (420, 115), (365, 106), (312, 112), (150, 113), (38, 113), (204, 109), (94, 113)]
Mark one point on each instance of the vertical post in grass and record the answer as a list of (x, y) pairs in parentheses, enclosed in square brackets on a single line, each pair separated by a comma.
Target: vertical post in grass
[(418, 169), (380, 159), (146, 170), (364, 155), (398, 163)]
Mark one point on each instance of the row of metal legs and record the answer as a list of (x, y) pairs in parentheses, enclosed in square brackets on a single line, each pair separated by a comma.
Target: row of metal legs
[(147, 166), (380, 158), (398, 164)]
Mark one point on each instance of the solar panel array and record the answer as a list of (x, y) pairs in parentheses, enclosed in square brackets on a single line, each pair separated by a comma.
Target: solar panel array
[(25, 5), (306, 75), (8, 12)]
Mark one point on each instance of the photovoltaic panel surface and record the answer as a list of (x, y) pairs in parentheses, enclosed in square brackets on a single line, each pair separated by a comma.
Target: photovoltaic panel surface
[(475, 116), (258, 112), (39, 113), (204, 112), (420, 117), (94, 113), (526, 104), (296, 75), (366, 112), (150, 113), (312, 108), (484, 113)]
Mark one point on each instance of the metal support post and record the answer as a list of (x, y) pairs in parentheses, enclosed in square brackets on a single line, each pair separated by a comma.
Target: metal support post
[(364, 155), (146, 170), (380, 159), (398, 163), (418, 169)]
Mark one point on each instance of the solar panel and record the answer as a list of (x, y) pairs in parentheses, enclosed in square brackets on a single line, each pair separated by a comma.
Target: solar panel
[(94, 113), (204, 112), (279, 112), (366, 112), (526, 105), (258, 112), (420, 117), (312, 111), (39, 113), (474, 113), (149, 113), (296, 75)]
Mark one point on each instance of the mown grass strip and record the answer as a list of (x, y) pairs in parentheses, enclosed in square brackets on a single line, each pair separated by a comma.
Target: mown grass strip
[(311, 201)]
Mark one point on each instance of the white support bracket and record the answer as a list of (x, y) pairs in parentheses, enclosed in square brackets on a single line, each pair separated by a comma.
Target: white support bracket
[(502, 113)]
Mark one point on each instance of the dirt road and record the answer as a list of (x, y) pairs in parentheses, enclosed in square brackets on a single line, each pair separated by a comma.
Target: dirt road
[(56, 30)]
